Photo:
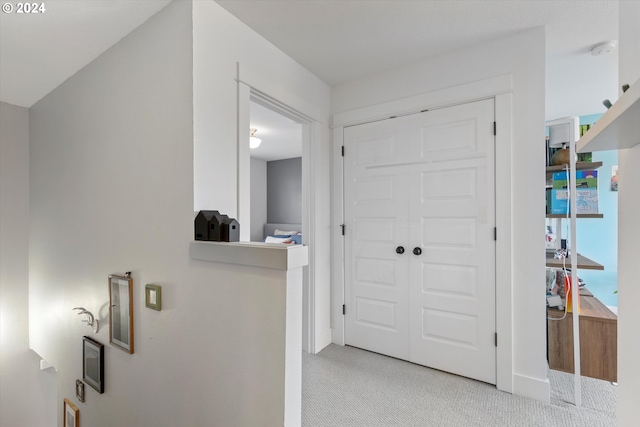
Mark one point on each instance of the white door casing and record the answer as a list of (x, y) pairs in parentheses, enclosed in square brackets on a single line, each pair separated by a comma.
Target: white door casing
[(423, 181)]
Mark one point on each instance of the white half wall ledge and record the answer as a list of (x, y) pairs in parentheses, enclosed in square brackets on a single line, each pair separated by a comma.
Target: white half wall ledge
[(45, 365), (254, 254)]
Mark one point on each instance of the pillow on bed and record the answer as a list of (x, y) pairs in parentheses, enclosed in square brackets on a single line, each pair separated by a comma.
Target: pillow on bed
[(297, 239), (284, 233), (278, 239)]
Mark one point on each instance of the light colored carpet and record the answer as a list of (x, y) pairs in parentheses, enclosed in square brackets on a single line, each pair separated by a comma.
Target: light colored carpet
[(349, 387)]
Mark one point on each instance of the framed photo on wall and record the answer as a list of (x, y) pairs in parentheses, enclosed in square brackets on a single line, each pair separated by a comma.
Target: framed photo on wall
[(121, 312), (71, 414), (93, 364)]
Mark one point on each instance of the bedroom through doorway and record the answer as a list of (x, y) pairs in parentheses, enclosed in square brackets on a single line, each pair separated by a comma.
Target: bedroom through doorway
[(275, 177)]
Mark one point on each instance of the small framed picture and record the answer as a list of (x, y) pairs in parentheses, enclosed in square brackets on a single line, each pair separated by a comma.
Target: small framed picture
[(80, 390), (93, 364), (153, 297), (121, 312), (71, 414)]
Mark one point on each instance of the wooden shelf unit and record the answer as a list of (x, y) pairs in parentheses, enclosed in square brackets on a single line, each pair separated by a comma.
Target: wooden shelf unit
[(598, 340), (618, 128), (562, 216), (583, 262), (580, 166)]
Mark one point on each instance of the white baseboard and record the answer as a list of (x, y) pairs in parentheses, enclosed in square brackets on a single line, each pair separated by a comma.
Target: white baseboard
[(534, 388)]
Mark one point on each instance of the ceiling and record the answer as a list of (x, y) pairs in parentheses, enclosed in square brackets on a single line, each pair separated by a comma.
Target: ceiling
[(336, 40), (343, 40), (281, 137), (38, 52)]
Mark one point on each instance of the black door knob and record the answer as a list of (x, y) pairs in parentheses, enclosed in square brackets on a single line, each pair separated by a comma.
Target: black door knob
[(417, 251), (400, 250)]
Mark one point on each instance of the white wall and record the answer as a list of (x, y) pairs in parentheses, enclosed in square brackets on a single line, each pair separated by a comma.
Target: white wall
[(112, 187), (27, 395), (222, 45), (258, 199), (628, 233), (521, 57)]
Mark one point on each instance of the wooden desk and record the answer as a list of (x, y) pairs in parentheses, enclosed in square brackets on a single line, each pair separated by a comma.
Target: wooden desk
[(598, 340)]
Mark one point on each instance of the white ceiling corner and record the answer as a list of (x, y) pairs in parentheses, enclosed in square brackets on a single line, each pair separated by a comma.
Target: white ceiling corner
[(38, 52)]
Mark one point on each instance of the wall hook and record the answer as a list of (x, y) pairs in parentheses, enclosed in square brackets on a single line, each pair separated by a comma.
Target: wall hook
[(89, 319)]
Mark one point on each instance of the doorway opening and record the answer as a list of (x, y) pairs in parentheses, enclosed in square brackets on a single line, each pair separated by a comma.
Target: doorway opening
[(252, 103), (276, 177)]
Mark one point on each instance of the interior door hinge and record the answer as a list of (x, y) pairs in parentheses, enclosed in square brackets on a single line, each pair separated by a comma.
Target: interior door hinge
[(344, 310), (343, 151), (495, 130), (496, 339), (495, 233), (343, 227)]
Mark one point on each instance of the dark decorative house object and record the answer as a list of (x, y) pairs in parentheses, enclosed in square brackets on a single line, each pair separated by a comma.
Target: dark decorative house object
[(230, 230), (201, 224), (215, 227)]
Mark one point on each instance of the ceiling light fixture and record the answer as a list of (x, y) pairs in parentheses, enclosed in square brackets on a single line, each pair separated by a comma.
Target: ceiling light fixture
[(253, 141), (604, 48)]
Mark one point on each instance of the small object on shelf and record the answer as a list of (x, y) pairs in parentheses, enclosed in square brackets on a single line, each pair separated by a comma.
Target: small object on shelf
[(551, 241), (586, 192), (618, 128), (562, 132), (561, 254), (625, 87), (230, 230), (555, 301), (607, 103), (559, 201), (214, 227), (568, 291), (560, 157)]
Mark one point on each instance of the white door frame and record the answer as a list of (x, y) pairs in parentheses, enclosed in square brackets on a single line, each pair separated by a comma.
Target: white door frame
[(500, 88), (254, 87)]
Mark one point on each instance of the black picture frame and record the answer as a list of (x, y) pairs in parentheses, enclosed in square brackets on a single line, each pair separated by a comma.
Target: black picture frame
[(93, 364)]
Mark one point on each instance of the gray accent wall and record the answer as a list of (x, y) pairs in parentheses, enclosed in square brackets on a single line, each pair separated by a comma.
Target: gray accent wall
[(284, 191)]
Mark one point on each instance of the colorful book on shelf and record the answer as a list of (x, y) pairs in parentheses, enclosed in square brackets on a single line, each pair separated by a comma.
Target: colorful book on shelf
[(584, 179), (586, 193), (586, 201)]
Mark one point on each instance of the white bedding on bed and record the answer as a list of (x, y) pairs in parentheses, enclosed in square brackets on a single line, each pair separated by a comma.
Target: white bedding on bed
[(273, 231)]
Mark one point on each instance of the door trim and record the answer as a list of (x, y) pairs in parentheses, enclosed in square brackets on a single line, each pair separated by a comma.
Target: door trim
[(500, 88), (252, 86)]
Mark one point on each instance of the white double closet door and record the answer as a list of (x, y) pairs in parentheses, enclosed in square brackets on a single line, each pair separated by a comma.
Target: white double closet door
[(419, 241)]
